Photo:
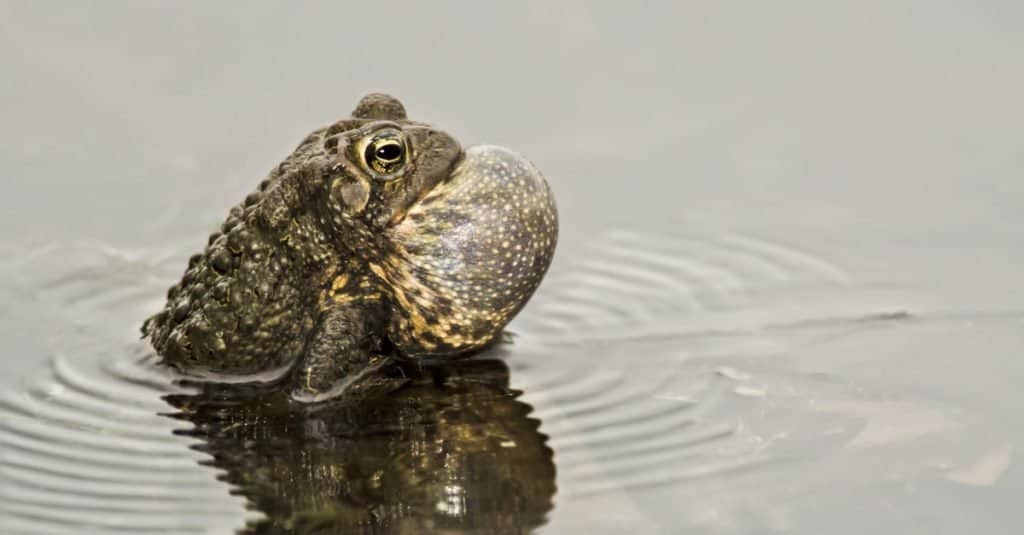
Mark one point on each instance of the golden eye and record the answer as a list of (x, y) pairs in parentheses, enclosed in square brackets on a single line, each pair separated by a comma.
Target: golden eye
[(385, 153)]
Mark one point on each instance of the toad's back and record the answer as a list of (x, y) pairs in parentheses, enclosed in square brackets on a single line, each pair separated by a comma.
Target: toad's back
[(377, 234), (245, 304)]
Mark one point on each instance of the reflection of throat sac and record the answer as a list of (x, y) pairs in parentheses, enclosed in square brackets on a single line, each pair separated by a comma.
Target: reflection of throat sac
[(430, 448)]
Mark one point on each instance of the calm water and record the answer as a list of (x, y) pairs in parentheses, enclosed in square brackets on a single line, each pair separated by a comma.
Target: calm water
[(786, 299)]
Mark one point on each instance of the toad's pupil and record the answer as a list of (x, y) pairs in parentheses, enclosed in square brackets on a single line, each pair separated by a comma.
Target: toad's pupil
[(389, 151)]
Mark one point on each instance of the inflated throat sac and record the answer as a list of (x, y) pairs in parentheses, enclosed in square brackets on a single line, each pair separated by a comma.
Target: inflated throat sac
[(469, 255)]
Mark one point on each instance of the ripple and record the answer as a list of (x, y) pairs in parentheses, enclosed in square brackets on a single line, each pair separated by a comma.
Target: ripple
[(648, 284), (639, 317), (84, 448), (617, 360), (83, 444)]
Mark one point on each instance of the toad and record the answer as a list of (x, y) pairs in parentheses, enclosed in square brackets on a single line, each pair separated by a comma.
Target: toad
[(377, 237)]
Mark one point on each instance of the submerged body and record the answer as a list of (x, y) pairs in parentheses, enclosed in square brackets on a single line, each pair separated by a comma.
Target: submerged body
[(376, 236)]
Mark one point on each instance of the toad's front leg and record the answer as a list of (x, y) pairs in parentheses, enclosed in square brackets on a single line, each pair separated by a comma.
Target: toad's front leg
[(341, 356)]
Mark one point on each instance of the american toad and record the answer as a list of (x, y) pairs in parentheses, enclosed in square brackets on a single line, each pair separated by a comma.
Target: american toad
[(377, 236)]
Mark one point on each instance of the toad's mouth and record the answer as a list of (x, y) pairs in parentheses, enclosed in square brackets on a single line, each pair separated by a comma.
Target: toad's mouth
[(400, 214)]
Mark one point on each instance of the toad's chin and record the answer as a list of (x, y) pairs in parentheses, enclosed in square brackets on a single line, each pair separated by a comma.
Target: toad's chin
[(469, 255)]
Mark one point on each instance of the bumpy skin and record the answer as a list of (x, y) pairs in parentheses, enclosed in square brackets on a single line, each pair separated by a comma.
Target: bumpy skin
[(333, 263)]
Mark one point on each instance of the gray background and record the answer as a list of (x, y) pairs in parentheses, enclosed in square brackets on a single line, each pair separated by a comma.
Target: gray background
[(888, 117)]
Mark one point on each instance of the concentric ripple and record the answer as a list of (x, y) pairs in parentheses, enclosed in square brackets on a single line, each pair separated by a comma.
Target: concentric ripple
[(86, 449), (653, 360), (83, 445), (622, 353)]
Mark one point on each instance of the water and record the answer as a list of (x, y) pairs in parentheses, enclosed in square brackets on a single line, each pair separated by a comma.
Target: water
[(655, 364), (786, 299), (441, 448)]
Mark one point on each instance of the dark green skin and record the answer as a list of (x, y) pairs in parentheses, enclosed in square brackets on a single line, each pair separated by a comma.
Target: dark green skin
[(327, 269)]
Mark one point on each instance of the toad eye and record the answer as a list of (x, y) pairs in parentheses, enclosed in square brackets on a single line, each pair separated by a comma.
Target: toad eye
[(385, 153)]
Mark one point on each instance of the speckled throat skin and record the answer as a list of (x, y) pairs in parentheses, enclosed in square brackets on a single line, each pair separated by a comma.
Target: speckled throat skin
[(377, 236)]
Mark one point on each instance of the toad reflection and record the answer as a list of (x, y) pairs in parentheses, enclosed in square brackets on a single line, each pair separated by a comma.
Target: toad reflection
[(435, 448)]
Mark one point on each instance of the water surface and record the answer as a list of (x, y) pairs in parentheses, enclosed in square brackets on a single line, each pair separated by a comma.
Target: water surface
[(708, 367)]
